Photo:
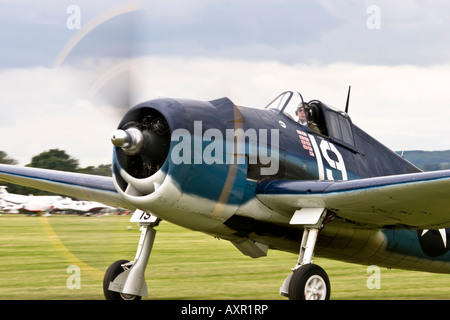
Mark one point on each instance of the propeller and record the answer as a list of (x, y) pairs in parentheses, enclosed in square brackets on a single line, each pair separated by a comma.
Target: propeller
[(130, 140)]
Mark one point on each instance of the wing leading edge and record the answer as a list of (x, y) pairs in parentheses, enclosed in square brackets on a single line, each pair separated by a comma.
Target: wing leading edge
[(78, 185), (416, 200)]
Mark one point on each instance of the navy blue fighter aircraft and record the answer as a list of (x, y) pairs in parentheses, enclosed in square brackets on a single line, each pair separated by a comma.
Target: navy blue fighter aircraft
[(295, 176)]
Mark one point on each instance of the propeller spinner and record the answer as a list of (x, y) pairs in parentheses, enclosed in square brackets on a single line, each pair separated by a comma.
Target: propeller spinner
[(130, 140)]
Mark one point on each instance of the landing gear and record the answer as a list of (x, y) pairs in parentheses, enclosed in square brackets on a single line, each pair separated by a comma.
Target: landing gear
[(125, 280), (307, 280), (111, 274)]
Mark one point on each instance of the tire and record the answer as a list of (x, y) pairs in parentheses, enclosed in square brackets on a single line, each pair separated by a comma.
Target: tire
[(113, 271), (309, 282)]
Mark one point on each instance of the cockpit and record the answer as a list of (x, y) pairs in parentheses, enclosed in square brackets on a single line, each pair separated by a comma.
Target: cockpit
[(316, 116), (288, 102)]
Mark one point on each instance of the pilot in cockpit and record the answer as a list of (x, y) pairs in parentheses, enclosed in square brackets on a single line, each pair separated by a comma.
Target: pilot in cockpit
[(301, 113), (306, 118)]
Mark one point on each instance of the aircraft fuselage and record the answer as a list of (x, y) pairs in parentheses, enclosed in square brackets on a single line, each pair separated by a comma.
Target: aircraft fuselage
[(214, 154)]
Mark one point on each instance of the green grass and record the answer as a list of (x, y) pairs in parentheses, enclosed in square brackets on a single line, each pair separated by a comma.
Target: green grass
[(35, 253)]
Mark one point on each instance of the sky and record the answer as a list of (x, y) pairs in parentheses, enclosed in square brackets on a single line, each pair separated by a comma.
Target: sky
[(69, 70)]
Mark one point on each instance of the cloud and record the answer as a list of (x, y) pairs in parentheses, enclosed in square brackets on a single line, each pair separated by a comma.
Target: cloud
[(289, 31), (411, 32), (33, 34), (250, 51), (44, 108)]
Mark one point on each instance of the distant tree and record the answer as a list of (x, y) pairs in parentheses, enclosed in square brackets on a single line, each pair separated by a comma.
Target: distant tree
[(101, 170), (4, 158), (54, 159)]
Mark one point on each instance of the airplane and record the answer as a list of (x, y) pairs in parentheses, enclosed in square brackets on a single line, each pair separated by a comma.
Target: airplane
[(261, 180), (12, 202), (9, 207), (29, 204), (81, 206)]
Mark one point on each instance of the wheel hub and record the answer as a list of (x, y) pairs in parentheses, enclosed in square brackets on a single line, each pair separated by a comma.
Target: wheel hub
[(315, 288)]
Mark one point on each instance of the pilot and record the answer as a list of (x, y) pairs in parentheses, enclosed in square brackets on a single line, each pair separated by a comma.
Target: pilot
[(311, 121), (306, 117), (301, 113)]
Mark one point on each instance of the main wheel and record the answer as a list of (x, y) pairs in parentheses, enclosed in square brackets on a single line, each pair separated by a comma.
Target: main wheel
[(309, 282), (113, 271)]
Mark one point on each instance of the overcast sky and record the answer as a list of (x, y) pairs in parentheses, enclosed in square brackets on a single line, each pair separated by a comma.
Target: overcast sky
[(70, 69)]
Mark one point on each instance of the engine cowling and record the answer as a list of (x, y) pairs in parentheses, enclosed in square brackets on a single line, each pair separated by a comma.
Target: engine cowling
[(142, 143), (148, 176)]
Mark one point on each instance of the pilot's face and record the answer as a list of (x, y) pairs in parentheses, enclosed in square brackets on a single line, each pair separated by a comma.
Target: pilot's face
[(301, 114)]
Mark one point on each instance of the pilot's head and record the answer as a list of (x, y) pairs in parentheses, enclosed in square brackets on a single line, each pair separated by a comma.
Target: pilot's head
[(301, 113)]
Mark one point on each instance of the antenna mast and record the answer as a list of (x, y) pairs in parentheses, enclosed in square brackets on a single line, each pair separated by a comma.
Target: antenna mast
[(348, 99)]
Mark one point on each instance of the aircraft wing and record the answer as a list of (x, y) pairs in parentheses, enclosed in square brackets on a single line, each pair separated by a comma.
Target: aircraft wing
[(416, 200), (78, 185)]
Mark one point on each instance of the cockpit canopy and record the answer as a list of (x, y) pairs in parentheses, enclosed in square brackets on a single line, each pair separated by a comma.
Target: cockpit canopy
[(288, 102), (329, 122)]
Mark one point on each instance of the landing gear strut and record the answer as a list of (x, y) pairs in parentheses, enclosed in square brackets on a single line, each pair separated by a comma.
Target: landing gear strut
[(125, 280), (307, 280)]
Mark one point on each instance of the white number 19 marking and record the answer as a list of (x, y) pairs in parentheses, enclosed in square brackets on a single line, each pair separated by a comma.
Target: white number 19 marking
[(322, 151)]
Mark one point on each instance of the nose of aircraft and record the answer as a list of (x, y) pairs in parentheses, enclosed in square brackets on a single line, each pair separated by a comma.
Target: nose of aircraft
[(119, 138), (129, 140)]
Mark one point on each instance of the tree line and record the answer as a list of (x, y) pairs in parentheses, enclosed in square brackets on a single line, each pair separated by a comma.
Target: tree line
[(54, 159)]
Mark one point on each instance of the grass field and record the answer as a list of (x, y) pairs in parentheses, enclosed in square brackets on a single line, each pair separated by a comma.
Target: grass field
[(35, 253)]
